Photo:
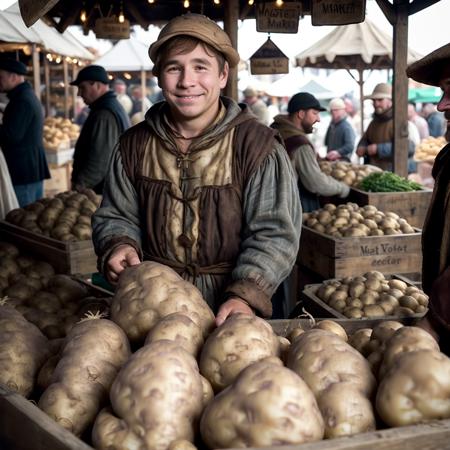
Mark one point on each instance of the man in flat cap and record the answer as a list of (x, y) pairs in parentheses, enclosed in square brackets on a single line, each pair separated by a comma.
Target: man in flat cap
[(377, 141), (303, 112), (106, 121), (21, 133), (201, 186), (434, 69)]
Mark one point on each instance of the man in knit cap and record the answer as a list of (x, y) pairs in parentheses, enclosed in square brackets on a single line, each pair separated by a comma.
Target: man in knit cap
[(200, 185), (434, 69)]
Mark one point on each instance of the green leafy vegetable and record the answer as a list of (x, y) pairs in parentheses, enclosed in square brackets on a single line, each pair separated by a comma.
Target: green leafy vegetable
[(388, 182)]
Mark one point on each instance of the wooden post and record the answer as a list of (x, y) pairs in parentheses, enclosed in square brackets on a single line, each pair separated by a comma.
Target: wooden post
[(361, 97), (66, 87), (36, 72), (144, 90), (231, 17), (74, 90), (47, 86), (400, 88)]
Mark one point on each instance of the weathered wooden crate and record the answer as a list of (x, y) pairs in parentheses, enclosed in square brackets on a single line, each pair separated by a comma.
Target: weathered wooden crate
[(412, 206), (66, 257), (333, 257), (318, 308)]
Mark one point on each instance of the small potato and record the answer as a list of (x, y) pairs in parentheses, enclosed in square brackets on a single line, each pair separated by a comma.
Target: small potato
[(373, 284), (359, 339), (397, 284), (354, 303), (384, 330), (374, 274), (397, 293), (337, 304), (373, 311), (352, 313), (324, 292), (408, 302), (403, 311), (338, 295), (356, 289), (334, 327)]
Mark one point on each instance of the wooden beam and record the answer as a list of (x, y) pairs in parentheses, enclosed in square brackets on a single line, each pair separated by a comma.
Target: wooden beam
[(144, 92), (36, 71), (418, 5), (47, 86), (388, 10), (66, 87), (70, 17), (74, 90), (400, 91), (230, 25)]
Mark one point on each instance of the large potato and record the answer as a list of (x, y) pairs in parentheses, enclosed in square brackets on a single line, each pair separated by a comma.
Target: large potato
[(150, 291), (267, 405), (322, 358), (241, 340), (157, 399), (345, 410), (416, 388), (23, 350), (93, 353)]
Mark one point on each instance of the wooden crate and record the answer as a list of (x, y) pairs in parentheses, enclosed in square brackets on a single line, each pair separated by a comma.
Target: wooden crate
[(318, 308), (60, 179), (66, 257), (412, 206), (333, 257)]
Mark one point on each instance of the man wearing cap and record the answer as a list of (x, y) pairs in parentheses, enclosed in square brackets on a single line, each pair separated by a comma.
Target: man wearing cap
[(21, 133), (120, 89), (256, 105), (201, 186), (106, 121), (340, 136), (376, 142), (434, 69), (303, 113)]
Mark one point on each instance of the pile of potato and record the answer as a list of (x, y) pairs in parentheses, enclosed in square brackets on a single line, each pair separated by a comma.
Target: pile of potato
[(429, 147), (351, 220), (53, 302), (349, 173), (372, 295), (58, 133), (66, 217)]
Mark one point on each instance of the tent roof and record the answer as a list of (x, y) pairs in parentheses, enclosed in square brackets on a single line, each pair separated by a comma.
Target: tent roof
[(127, 55), (357, 46), (14, 30)]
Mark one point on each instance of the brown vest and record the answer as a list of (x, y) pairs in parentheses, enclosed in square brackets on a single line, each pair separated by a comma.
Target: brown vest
[(379, 131), (192, 204)]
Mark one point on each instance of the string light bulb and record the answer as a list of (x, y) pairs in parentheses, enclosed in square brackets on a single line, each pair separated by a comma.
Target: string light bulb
[(121, 16), (217, 2), (250, 2), (83, 15), (186, 3), (279, 2), (151, 2)]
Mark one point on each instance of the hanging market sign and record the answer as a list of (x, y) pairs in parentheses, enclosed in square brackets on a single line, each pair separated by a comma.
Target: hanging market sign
[(269, 59), (271, 18), (111, 28), (337, 12)]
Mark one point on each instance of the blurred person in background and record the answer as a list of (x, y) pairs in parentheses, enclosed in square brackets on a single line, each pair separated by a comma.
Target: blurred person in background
[(418, 121), (435, 120), (303, 112), (141, 104), (340, 136), (377, 141), (434, 69), (100, 133), (257, 105), (21, 133), (120, 89)]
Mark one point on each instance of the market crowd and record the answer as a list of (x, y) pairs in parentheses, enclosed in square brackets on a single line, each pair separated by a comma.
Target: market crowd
[(215, 188)]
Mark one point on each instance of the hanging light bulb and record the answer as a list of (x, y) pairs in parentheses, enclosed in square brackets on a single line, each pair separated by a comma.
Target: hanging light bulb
[(121, 16), (279, 2), (217, 2), (151, 1), (83, 15), (186, 3), (250, 2)]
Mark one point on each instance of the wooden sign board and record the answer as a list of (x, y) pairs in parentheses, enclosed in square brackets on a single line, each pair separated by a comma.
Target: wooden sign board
[(337, 12), (269, 59), (111, 28), (271, 18)]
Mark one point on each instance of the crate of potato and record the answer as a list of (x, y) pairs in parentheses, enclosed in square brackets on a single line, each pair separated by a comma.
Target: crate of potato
[(429, 147), (59, 134), (368, 296), (349, 173), (348, 240), (57, 230)]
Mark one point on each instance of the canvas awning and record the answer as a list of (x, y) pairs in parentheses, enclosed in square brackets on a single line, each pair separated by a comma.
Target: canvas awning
[(14, 30)]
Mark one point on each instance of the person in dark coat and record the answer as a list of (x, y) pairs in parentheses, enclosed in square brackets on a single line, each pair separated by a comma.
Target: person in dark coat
[(21, 133), (107, 120)]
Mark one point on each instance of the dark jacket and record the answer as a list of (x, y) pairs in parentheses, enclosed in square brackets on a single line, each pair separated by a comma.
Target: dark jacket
[(21, 136), (341, 137), (436, 249), (107, 120), (436, 124)]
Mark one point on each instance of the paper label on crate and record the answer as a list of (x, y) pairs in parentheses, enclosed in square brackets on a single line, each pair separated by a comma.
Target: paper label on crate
[(383, 249)]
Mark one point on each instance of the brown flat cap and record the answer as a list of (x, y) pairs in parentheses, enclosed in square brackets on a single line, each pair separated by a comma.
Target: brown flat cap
[(429, 69), (200, 27)]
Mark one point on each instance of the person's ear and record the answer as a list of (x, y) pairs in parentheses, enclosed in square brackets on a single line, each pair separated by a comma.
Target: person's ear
[(223, 76), (301, 114)]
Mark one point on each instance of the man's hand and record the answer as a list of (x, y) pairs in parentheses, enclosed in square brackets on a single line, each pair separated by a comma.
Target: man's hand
[(233, 305), (425, 324), (122, 257), (372, 149), (361, 151), (333, 155)]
